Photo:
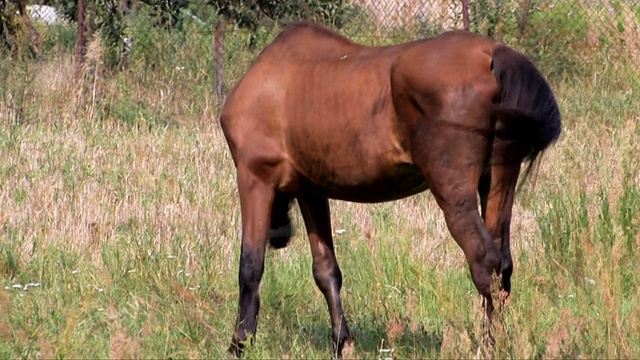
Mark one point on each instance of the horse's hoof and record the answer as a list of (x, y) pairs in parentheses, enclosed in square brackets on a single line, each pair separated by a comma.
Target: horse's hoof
[(348, 350), (234, 352), (505, 297)]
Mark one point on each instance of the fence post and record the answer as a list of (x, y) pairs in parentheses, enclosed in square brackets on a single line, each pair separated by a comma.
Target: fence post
[(81, 41), (523, 18), (218, 56), (465, 14)]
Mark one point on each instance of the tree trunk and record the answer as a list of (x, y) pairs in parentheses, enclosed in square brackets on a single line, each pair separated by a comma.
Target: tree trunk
[(81, 41), (34, 36)]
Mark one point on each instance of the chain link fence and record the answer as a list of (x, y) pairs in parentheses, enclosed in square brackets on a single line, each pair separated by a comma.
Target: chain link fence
[(45, 14), (408, 14), (560, 35), (543, 28)]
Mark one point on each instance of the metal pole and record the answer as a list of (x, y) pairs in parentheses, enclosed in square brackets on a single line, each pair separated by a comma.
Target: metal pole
[(465, 14), (218, 55), (81, 41)]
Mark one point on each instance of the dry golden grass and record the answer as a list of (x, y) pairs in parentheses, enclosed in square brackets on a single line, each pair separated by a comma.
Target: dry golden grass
[(135, 211)]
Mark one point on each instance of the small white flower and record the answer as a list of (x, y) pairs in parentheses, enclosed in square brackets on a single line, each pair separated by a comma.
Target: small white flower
[(75, 271), (27, 286), (590, 281), (385, 354), (341, 231)]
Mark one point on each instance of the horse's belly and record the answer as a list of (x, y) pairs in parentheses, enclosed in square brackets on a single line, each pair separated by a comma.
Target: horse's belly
[(386, 184)]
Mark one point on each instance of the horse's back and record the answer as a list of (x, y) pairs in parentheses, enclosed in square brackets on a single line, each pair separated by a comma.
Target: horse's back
[(310, 94), (321, 108)]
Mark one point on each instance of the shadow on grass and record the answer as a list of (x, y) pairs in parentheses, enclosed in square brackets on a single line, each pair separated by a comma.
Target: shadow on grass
[(370, 336)]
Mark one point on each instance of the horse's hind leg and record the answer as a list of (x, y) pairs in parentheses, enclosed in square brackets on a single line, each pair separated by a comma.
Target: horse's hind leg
[(497, 192), (315, 212), (256, 198)]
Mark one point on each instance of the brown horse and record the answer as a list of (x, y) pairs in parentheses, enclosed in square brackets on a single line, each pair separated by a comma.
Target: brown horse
[(319, 116)]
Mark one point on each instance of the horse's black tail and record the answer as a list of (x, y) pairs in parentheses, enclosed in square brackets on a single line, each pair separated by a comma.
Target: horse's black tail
[(527, 111)]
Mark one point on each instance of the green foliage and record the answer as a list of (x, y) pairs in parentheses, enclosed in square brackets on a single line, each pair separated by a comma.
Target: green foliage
[(167, 13), (109, 22), (9, 254), (249, 14), (486, 16), (14, 34), (112, 20), (628, 210), (8, 25), (556, 38), (59, 38)]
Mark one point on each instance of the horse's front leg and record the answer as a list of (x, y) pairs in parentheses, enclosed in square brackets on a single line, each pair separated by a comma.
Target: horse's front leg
[(256, 198), (497, 192), (452, 162)]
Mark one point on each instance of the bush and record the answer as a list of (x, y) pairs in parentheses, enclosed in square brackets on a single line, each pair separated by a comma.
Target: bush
[(251, 15), (557, 38)]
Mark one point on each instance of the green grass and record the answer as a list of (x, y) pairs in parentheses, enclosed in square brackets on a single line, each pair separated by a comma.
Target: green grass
[(123, 209)]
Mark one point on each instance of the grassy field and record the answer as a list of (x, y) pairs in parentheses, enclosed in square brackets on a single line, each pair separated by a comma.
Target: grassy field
[(120, 228)]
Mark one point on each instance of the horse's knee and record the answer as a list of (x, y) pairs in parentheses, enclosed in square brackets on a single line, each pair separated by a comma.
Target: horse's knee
[(251, 269)]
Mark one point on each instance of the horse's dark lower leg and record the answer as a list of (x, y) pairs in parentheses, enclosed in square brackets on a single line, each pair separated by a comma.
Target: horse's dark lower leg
[(326, 272), (256, 199), (507, 262), (497, 216), (482, 255)]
